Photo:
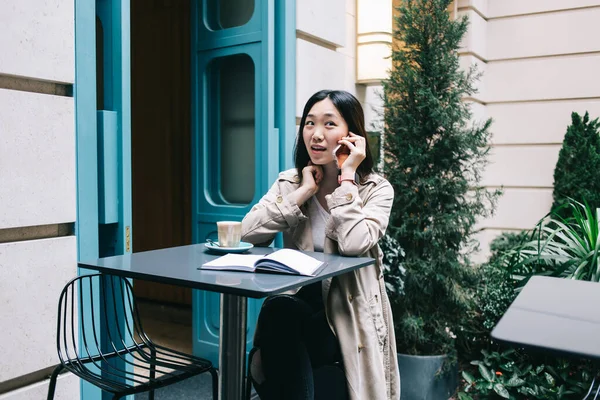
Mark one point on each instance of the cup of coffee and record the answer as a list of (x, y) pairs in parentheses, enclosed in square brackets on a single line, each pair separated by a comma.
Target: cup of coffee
[(230, 233)]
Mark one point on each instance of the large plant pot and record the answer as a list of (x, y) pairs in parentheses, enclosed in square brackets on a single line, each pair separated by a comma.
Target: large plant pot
[(419, 381)]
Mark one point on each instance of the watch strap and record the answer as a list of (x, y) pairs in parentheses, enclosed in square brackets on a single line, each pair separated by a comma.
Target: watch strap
[(348, 177)]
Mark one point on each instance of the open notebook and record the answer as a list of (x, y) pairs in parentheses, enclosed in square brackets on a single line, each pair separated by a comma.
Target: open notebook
[(285, 261)]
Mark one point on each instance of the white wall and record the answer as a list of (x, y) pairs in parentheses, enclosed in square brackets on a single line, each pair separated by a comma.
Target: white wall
[(38, 149), (67, 388), (37, 188), (33, 274), (36, 39), (540, 60), (326, 49)]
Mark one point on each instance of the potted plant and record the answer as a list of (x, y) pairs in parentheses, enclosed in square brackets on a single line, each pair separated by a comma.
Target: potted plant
[(433, 157)]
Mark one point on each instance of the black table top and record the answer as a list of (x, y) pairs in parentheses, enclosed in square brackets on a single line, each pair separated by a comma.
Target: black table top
[(554, 314), (180, 266)]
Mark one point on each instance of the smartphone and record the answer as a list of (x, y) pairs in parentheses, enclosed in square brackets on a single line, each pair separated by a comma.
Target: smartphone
[(341, 154)]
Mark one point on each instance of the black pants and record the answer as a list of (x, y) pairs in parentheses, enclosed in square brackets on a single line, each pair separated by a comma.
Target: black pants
[(298, 349)]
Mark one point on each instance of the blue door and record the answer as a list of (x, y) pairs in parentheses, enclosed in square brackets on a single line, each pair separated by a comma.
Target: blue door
[(103, 123), (240, 138)]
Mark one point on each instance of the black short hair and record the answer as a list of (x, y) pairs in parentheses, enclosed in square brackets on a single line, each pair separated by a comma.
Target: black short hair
[(351, 111)]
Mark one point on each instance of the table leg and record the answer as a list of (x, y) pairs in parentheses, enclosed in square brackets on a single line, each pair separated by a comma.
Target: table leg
[(232, 347)]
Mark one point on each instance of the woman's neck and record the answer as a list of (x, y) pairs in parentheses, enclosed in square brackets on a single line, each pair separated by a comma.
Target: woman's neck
[(330, 179)]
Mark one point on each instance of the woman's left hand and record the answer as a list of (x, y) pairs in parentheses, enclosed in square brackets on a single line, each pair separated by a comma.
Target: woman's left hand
[(357, 146)]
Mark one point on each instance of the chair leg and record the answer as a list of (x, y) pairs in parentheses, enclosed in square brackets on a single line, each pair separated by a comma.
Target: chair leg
[(53, 378), (215, 383), (152, 371)]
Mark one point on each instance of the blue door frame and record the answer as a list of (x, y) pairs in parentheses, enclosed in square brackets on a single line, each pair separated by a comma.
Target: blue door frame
[(103, 136), (103, 145), (268, 38)]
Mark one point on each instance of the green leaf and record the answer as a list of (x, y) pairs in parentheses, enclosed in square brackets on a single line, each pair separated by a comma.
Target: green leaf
[(468, 377), (501, 390), (515, 381), (552, 370), (508, 352), (539, 369), (527, 390), (464, 396), (487, 375), (549, 379)]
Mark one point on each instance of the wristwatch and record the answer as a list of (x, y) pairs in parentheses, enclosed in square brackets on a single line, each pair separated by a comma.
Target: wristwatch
[(348, 177)]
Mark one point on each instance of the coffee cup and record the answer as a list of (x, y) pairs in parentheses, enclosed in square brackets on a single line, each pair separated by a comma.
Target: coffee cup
[(229, 233)]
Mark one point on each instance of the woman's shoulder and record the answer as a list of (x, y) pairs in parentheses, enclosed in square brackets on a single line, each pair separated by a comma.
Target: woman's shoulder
[(375, 179), (290, 175)]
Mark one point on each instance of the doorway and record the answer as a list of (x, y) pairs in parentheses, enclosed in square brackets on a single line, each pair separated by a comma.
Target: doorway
[(161, 135)]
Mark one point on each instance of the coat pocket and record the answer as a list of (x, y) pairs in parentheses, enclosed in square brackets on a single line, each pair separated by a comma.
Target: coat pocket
[(376, 311)]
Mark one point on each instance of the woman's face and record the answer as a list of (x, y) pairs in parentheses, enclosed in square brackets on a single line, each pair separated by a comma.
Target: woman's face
[(323, 128)]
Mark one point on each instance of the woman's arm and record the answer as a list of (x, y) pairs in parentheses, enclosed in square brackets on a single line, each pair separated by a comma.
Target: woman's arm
[(358, 224), (274, 213), (277, 212)]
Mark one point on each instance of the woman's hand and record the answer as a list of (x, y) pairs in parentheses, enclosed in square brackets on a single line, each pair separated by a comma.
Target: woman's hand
[(358, 152), (312, 175)]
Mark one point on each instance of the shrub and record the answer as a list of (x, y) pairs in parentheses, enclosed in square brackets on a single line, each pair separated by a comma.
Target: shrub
[(433, 157), (566, 247), (393, 269), (577, 172), (495, 292), (511, 374)]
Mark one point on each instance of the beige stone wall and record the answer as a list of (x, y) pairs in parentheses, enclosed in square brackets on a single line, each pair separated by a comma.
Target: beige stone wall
[(540, 60), (325, 47), (343, 44), (37, 190)]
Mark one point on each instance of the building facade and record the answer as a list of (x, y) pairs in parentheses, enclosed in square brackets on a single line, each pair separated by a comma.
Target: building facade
[(540, 61), (107, 110)]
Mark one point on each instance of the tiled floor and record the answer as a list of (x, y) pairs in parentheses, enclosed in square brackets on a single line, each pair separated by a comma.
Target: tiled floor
[(171, 326)]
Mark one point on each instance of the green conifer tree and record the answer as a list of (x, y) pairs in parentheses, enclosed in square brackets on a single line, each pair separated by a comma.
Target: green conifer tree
[(433, 157), (577, 172)]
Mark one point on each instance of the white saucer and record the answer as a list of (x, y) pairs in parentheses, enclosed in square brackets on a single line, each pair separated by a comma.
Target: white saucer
[(243, 247)]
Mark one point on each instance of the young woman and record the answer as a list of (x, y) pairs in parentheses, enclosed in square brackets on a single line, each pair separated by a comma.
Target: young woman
[(344, 209)]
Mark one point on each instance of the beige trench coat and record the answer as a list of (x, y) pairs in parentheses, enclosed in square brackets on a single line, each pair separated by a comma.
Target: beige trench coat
[(356, 303)]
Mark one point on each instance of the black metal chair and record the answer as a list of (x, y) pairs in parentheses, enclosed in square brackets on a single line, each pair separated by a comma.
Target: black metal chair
[(133, 363)]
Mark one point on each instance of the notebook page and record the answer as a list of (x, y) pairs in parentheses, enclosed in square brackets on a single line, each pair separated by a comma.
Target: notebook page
[(233, 260), (297, 260)]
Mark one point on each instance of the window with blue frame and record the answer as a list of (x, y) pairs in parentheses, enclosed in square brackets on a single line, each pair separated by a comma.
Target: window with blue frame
[(232, 46), (225, 14), (231, 120)]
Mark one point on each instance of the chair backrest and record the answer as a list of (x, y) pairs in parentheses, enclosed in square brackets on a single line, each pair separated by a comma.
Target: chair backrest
[(97, 315)]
